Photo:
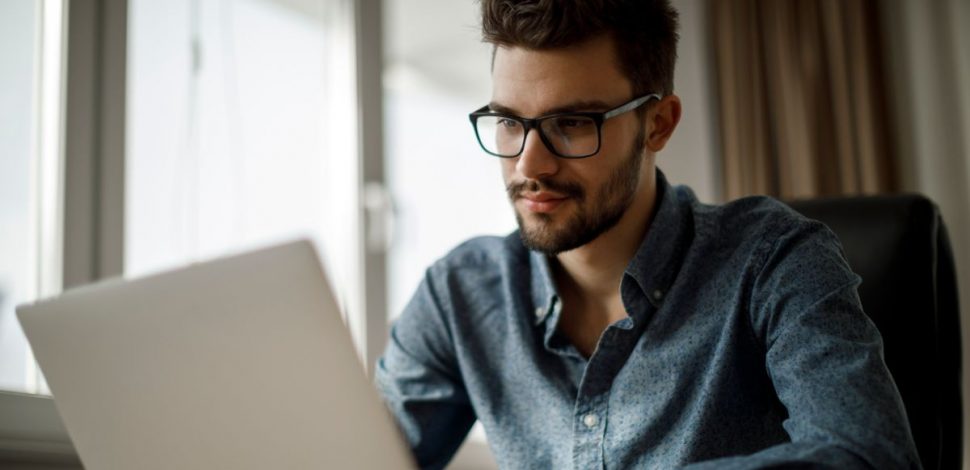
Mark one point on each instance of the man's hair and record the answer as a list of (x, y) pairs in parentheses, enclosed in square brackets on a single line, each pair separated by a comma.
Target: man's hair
[(644, 32)]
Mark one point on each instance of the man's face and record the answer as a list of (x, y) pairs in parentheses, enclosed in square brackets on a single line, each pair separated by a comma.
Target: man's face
[(562, 204)]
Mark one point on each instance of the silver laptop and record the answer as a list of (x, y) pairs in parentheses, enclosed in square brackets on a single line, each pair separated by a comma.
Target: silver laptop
[(239, 363)]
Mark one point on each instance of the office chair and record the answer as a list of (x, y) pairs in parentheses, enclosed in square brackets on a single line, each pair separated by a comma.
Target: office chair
[(899, 246)]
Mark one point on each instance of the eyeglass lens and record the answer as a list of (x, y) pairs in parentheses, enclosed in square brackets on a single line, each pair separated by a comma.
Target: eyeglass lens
[(569, 135)]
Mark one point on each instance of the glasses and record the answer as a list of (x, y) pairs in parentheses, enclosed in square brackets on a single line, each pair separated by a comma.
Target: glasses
[(567, 135)]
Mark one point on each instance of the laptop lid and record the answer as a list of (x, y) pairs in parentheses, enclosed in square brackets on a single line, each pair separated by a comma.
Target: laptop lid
[(242, 362)]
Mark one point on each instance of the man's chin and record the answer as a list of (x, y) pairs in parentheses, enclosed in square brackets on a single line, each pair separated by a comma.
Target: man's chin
[(543, 237)]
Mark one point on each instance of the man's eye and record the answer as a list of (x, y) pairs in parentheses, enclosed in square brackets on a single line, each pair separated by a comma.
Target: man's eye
[(508, 123), (572, 123)]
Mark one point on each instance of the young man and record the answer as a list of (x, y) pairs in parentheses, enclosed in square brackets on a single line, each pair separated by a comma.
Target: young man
[(625, 324)]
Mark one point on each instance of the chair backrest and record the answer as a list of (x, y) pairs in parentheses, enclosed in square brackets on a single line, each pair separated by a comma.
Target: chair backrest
[(899, 246)]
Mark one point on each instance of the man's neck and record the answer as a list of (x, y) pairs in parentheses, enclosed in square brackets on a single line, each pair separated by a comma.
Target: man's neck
[(592, 272)]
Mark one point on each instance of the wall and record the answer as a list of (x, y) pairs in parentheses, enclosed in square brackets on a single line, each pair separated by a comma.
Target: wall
[(928, 53), (691, 154)]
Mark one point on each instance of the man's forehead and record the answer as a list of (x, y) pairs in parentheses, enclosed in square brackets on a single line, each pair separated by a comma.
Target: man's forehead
[(565, 106), (531, 81)]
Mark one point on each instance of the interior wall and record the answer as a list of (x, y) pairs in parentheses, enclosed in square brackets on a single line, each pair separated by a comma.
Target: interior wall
[(928, 54), (691, 154)]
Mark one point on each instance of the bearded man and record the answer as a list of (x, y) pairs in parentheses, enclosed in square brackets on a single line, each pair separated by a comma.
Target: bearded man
[(625, 324)]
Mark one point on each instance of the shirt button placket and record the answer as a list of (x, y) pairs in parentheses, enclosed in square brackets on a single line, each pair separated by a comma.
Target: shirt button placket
[(588, 450), (590, 417)]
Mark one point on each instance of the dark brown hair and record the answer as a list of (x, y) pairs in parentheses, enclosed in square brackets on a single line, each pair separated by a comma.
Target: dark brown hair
[(644, 32)]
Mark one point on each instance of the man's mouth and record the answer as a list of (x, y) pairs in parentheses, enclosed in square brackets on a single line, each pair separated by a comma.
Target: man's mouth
[(542, 202)]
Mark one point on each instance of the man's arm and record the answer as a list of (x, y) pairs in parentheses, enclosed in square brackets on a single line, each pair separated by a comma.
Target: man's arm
[(419, 379), (825, 360)]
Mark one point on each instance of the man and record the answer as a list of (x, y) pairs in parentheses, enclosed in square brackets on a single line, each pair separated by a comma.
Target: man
[(625, 324)]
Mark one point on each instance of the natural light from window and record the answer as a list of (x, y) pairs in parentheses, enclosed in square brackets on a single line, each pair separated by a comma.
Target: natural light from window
[(31, 181), (241, 125)]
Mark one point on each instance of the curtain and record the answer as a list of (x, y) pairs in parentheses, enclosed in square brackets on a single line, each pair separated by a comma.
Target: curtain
[(802, 101)]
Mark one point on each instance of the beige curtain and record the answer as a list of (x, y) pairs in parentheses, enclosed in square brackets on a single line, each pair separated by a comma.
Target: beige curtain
[(803, 105)]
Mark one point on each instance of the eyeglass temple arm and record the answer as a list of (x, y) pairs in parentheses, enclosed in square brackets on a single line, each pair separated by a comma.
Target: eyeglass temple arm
[(630, 106)]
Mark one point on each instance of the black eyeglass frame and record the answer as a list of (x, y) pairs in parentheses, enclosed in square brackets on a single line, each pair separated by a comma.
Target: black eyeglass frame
[(536, 123)]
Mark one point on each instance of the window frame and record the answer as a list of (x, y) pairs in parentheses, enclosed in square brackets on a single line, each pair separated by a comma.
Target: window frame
[(89, 186), (93, 177)]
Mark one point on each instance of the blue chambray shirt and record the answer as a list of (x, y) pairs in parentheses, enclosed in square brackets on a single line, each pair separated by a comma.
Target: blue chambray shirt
[(745, 347)]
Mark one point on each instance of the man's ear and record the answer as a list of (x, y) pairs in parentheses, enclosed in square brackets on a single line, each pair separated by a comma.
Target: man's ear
[(662, 120)]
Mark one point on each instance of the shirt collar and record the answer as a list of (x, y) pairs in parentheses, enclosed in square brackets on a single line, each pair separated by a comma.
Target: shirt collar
[(652, 269), (657, 261)]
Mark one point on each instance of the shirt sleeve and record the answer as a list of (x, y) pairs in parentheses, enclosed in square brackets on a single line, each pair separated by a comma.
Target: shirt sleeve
[(419, 379), (825, 359)]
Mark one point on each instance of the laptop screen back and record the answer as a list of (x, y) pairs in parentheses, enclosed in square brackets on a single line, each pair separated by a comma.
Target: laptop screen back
[(242, 362)]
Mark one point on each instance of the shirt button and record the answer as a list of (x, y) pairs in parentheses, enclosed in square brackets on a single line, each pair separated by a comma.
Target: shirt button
[(540, 312), (657, 294), (591, 420)]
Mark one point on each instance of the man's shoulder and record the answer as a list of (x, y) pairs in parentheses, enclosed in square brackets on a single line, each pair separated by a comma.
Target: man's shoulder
[(749, 232), (749, 218), (481, 276), (484, 252)]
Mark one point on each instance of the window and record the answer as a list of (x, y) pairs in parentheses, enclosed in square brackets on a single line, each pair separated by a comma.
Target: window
[(241, 130), (241, 125), (30, 181)]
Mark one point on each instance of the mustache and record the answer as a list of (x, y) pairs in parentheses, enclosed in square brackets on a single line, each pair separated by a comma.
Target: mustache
[(566, 188)]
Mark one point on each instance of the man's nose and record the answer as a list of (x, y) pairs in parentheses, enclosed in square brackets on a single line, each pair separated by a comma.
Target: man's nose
[(536, 160)]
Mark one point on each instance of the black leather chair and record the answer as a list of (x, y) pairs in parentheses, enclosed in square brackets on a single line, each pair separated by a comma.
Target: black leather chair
[(899, 246)]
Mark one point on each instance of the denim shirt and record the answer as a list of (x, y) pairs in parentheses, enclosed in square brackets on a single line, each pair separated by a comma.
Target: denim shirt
[(745, 346)]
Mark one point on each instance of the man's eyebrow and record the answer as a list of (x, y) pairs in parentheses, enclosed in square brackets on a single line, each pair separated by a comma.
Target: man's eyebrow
[(573, 107)]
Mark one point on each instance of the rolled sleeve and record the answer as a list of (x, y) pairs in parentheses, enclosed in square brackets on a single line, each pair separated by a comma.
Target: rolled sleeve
[(419, 380)]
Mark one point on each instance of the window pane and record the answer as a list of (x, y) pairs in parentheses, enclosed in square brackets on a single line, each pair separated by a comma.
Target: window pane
[(241, 124), (446, 189), (17, 77)]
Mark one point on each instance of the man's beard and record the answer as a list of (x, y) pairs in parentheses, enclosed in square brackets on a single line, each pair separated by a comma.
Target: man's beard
[(592, 216)]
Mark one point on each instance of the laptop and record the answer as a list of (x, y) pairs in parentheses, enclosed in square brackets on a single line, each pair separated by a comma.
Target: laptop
[(243, 362)]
